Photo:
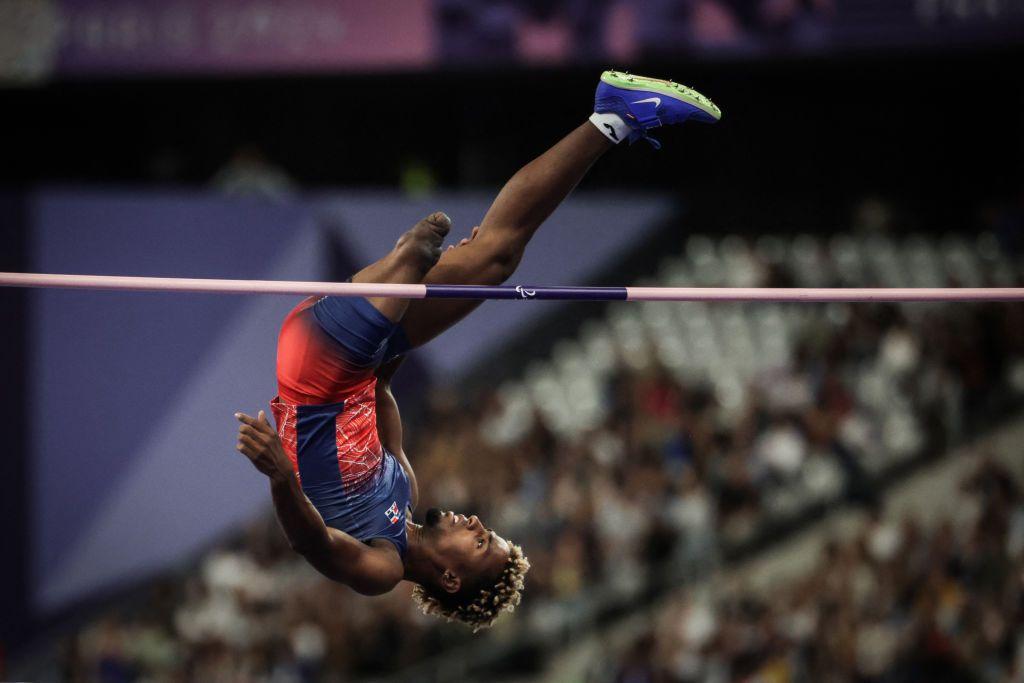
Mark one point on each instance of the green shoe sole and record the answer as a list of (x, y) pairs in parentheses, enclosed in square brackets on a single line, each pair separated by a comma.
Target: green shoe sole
[(621, 79)]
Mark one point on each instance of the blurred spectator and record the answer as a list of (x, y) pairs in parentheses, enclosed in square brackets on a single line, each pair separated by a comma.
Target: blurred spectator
[(896, 602), (590, 31), (249, 173)]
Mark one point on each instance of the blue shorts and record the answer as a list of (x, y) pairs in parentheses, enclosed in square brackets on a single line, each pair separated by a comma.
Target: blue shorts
[(366, 334)]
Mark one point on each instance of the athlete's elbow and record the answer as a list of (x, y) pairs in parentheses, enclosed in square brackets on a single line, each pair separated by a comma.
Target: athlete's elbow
[(376, 585), (377, 588), (301, 547), (503, 262), (308, 545)]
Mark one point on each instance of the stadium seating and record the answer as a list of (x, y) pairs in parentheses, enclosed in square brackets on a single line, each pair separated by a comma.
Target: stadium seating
[(647, 447)]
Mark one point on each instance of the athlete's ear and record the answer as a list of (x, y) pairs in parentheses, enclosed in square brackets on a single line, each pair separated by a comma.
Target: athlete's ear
[(450, 582)]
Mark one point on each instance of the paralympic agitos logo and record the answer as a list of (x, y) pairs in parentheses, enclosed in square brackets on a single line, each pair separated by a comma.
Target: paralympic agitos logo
[(525, 293)]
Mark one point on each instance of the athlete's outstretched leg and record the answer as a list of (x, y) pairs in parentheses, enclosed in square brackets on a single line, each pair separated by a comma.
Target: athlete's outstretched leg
[(527, 199), (625, 108), (415, 253)]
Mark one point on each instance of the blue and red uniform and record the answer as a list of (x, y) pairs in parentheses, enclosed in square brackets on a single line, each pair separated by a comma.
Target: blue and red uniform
[(326, 416)]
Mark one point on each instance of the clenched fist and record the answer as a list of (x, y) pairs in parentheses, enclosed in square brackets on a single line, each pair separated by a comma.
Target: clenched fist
[(258, 441)]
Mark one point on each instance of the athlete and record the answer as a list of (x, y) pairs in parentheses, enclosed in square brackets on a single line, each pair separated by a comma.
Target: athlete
[(342, 486)]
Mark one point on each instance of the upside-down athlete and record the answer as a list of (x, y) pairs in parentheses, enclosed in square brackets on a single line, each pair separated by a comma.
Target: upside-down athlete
[(342, 486)]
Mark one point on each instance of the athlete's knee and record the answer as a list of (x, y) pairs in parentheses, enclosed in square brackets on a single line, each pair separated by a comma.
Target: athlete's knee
[(505, 260), (420, 246)]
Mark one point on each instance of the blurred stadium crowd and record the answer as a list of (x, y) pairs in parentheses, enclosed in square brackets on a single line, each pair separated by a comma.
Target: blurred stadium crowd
[(897, 602), (587, 30), (660, 441), (43, 38)]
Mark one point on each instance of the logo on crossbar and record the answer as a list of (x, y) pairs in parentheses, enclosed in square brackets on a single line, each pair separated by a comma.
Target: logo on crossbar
[(526, 293)]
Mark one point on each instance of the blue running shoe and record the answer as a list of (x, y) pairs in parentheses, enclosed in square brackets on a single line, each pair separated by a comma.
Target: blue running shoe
[(645, 103)]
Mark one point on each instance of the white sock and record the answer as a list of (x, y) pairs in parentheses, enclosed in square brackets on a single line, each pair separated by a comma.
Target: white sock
[(611, 125)]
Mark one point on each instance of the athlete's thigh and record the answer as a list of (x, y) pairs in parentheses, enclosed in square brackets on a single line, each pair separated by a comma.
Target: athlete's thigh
[(478, 263)]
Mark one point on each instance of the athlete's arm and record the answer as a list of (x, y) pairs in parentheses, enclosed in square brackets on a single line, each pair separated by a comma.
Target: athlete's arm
[(333, 553), (389, 422)]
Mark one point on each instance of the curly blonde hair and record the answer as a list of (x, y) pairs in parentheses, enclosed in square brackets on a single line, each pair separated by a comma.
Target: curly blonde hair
[(481, 610)]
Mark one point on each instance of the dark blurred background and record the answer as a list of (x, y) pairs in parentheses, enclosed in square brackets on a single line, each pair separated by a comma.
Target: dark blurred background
[(863, 143), (802, 134)]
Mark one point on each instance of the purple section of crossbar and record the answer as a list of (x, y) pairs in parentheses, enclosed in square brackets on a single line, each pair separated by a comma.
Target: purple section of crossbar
[(524, 292)]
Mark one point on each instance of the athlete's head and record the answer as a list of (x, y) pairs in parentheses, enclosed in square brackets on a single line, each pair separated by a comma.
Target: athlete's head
[(477, 574)]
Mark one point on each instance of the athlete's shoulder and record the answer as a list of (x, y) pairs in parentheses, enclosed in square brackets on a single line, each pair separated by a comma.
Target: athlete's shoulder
[(379, 569), (367, 569)]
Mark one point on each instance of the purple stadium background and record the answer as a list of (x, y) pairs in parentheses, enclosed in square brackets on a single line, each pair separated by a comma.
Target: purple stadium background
[(149, 381)]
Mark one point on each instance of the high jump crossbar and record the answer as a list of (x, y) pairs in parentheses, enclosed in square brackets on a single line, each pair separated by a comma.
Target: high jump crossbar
[(519, 292)]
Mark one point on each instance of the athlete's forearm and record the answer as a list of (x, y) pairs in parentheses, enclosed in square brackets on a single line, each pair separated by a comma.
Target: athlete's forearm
[(301, 522), (537, 189)]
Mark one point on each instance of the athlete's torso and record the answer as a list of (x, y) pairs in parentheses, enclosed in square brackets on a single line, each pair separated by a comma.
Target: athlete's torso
[(353, 481)]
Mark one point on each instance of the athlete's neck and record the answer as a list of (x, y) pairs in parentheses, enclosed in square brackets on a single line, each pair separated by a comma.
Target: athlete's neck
[(419, 566)]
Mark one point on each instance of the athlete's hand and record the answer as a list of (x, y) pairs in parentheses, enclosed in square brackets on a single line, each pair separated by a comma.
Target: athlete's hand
[(258, 441)]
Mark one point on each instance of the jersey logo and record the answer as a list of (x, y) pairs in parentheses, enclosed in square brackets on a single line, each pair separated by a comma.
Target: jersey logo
[(392, 513)]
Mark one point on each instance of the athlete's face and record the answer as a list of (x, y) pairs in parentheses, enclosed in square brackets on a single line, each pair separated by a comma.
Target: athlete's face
[(466, 549)]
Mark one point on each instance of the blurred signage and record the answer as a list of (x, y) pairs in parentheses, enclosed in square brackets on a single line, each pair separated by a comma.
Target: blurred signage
[(100, 37), (243, 35), (45, 38)]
